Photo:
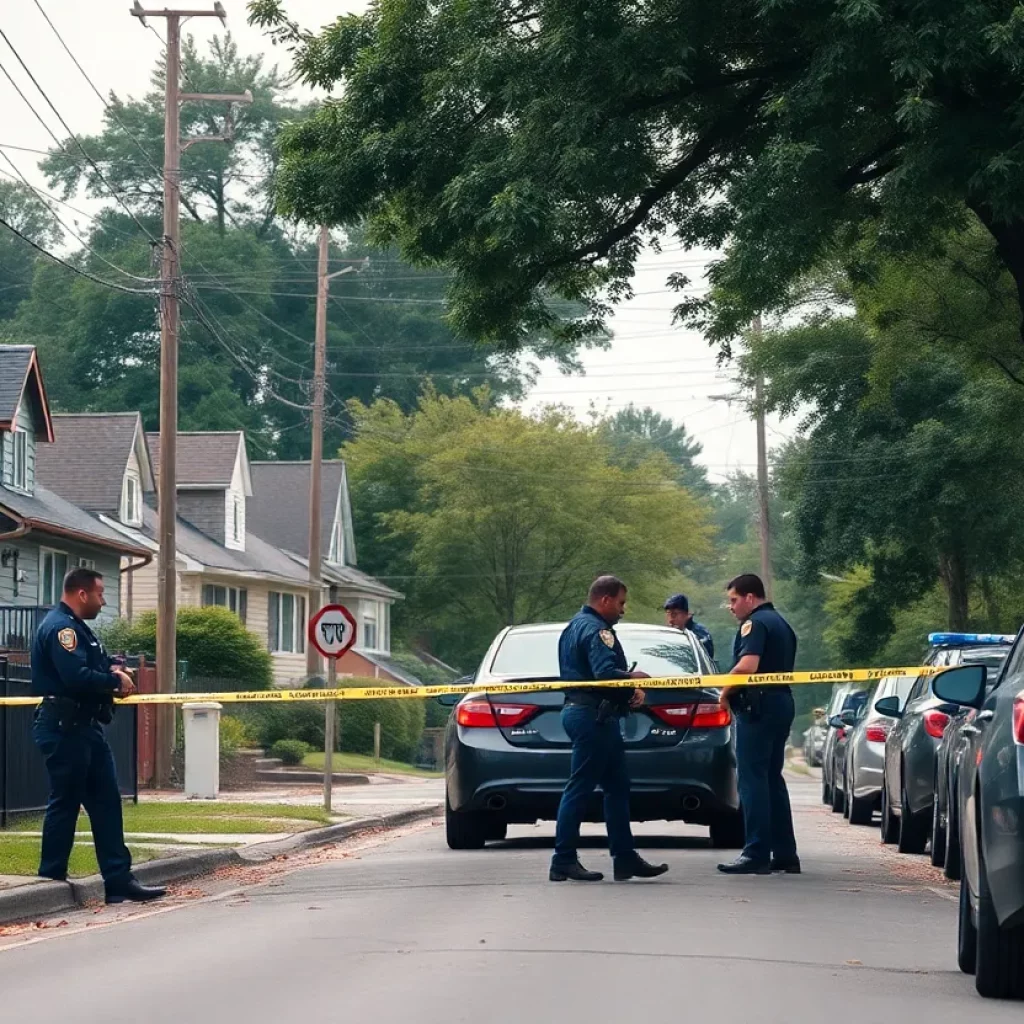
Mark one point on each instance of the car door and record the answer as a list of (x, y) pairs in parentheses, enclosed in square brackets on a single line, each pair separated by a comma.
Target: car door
[(901, 734)]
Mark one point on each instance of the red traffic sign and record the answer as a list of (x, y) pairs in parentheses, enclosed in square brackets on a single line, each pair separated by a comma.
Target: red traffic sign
[(332, 630)]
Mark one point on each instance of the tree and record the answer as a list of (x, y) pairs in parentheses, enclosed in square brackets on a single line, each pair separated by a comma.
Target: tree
[(486, 517), (534, 147), (26, 214)]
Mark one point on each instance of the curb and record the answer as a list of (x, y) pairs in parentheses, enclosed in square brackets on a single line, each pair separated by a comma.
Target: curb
[(43, 899)]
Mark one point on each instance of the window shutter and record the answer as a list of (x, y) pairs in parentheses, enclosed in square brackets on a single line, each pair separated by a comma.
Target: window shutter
[(243, 604), (273, 619)]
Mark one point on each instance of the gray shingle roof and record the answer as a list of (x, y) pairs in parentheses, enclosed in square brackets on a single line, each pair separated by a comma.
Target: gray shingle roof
[(86, 462), (14, 360), (46, 509), (278, 510), (349, 576), (204, 459)]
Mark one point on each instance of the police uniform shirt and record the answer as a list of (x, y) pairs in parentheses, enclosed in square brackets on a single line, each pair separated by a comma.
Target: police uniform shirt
[(589, 649), (69, 661), (768, 635)]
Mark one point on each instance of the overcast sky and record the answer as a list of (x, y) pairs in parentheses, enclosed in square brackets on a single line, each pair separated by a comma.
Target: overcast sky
[(649, 363)]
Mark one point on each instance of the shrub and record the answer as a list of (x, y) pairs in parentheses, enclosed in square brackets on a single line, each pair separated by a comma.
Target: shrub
[(290, 751), (268, 723), (234, 736), (212, 640)]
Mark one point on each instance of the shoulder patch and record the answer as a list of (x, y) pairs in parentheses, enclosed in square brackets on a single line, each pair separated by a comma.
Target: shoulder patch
[(608, 637), (746, 628), (68, 639)]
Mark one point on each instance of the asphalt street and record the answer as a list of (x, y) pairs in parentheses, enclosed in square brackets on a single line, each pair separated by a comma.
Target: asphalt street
[(402, 929)]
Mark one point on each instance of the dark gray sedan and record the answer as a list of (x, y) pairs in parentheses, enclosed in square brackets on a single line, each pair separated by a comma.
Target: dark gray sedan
[(507, 756)]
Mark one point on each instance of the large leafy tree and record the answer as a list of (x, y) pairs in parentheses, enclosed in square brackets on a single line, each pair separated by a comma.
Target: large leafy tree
[(535, 146), (486, 517), (24, 212)]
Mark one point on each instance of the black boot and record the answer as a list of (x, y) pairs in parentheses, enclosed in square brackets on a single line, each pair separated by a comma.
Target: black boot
[(637, 867), (574, 873), (132, 891), (746, 866), (789, 867)]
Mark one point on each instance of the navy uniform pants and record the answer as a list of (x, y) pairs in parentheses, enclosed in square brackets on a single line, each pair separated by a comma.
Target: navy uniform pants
[(82, 774), (760, 758), (598, 759)]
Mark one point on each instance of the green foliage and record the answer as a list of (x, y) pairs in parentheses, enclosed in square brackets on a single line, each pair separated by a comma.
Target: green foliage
[(269, 723), (212, 640), (234, 736), (498, 518), (533, 148), (290, 752)]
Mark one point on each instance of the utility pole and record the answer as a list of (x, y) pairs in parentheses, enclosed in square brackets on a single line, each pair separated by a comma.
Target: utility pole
[(170, 286), (762, 473), (317, 445)]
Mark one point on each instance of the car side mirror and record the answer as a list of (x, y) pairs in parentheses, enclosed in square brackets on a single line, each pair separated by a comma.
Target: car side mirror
[(835, 722), (963, 686), (848, 718), (449, 700), (889, 706)]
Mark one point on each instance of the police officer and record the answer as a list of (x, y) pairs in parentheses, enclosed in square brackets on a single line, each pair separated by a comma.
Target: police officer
[(73, 675), (765, 642), (588, 649), (677, 614)]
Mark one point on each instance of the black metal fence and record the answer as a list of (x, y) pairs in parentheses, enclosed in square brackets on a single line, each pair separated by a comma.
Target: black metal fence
[(23, 782), (18, 626)]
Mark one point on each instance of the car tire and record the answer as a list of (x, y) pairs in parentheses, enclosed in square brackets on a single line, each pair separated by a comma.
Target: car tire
[(838, 797), (999, 968), (727, 832), (938, 853), (862, 808), (913, 834), (951, 867), (826, 789), (496, 830), (890, 823), (967, 934), (464, 830)]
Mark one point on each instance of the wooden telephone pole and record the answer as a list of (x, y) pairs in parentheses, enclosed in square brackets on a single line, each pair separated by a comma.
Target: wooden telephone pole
[(170, 287), (762, 474)]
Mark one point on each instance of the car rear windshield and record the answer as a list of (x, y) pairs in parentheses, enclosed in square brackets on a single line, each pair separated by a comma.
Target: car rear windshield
[(535, 654), (991, 658)]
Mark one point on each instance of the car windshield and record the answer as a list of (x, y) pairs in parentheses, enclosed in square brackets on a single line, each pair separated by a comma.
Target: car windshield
[(991, 657), (534, 654)]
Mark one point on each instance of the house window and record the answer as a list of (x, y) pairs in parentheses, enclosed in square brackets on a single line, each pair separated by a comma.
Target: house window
[(337, 553), (53, 567), (286, 623), (236, 520), (19, 469), (85, 563), (370, 626), (132, 503), (235, 599)]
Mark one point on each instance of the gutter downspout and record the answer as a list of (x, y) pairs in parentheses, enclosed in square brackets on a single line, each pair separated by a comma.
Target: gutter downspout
[(127, 572)]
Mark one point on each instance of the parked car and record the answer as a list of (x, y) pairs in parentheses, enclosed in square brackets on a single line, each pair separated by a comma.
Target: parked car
[(945, 842), (814, 739), (908, 790), (507, 758), (990, 813), (844, 725), (865, 752), (845, 697)]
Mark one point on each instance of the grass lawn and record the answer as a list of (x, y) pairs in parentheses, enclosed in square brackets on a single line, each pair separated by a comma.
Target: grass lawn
[(215, 817), (20, 856), (363, 764)]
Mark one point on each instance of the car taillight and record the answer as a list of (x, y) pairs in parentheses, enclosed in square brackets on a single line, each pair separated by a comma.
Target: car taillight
[(711, 716), (693, 716), (673, 714), (482, 714), (876, 733), (935, 723), (1018, 718)]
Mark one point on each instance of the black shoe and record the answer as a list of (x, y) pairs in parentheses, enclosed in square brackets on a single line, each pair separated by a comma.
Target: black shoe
[(638, 868), (789, 867), (54, 878), (133, 892), (574, 873), (746, 866)]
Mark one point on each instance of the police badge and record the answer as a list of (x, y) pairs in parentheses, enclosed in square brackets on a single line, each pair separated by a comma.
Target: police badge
[(68, 639), (608, 637), (746, 628)]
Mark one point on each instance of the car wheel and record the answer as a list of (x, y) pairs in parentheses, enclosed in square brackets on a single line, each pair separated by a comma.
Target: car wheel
[(938, 832), (913, 835), (967, 935), (826, 789), (727, 832), (464, 830), (951, 862), (999, 970), (496, 830), (890, 823), (861, 808), (837, 797)]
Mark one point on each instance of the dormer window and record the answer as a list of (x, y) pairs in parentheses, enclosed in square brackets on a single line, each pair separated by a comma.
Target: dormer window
[(236, 520), (19, 461), (131, 510), (337, 553)]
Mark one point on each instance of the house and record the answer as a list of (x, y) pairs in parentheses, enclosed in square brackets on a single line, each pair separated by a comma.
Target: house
[(43, 532), (278, 513)]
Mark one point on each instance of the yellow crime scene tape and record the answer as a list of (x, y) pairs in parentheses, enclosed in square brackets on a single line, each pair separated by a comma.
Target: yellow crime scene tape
[(852, 675)]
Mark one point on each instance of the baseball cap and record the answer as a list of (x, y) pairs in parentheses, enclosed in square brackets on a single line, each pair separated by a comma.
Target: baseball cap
[(678, 602)]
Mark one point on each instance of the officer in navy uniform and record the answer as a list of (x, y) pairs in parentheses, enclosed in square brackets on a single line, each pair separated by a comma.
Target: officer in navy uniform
[(588, 649), (765, 643), (677, 614), (74, 676)]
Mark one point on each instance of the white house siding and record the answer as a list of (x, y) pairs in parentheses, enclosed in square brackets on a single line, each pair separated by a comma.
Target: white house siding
[(22, 422), (235, 493)]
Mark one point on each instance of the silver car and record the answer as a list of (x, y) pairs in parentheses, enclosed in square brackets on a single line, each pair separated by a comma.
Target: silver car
[(865, 751)]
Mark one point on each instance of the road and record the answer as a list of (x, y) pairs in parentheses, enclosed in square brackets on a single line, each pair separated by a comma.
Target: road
[(400, 929)]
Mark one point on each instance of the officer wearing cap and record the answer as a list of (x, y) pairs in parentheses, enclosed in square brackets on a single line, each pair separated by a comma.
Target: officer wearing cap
[(677, 614), (589, 650), (765, 643), (74, 676)]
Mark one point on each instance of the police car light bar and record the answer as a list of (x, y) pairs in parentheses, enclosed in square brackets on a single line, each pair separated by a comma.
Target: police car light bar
[(946, 639)]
